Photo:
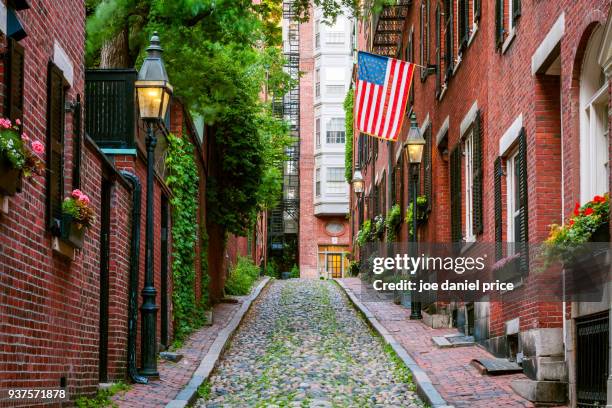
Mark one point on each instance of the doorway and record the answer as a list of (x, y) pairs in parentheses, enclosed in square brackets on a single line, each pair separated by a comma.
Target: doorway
[(104, 278), (332, 261)]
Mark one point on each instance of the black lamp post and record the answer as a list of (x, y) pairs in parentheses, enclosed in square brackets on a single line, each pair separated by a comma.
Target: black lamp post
[(154, 92), (414, 152)]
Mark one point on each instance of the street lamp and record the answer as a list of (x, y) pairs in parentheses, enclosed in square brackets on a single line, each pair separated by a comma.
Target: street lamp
[(358, 182), (154, 93), (414, 151)]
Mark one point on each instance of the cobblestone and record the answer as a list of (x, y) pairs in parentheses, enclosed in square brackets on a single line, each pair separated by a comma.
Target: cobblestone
[(303, 345)]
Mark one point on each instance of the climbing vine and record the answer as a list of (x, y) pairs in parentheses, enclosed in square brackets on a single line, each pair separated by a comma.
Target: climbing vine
[(183, 180), (348, 124)]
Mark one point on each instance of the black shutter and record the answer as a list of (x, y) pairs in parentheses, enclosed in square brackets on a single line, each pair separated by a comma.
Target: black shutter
[(477, 10), (438, 52), (360, 150), (463, 23), (411, 51), (55, 144), (15, 64), (76, 143), (523, 201), (516, 10), (428, 168), (393, 182), (497, 183), (455, 181), (449, 54), (360, 203), (499, 22), (383, 195), (477, 139), (402, 179)]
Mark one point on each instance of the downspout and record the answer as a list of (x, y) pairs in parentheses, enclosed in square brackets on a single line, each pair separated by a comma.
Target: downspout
[(133, 279)]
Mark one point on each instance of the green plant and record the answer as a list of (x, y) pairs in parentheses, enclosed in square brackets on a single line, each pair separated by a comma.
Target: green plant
[(204, 390), (18, 150), (348, 126), (272, 269), (295, 271), (394, 218), (379, 227), (103, 397), (183, 181), (364, 234), (241, 277), (421, 211), (585, 221), (353, 268), (78, 206)]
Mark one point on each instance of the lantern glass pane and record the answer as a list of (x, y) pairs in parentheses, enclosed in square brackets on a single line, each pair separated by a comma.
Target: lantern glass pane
[(149, 102)]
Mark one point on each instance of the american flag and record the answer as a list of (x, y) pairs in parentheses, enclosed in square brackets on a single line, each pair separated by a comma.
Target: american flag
[(382, 92)]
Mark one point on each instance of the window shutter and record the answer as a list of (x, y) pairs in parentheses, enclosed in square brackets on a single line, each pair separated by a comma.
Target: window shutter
[(393, 185), (411, 45), (428, 168), (477, 10), (463, 23), (497, 183), (516, 10), (455, 180), (523, 201), (438, 51), (477, 168), (15, 80), (55, 143), (499, 22), (76, 144), (449, 39)]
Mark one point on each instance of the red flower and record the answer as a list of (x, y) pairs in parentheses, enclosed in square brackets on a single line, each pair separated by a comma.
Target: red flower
[(571, 223), (599, 199), (588, 211), (577, 209)]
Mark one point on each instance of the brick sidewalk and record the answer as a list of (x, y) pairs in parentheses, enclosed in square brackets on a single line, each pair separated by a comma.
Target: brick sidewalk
[(456, 380), (174, 376)]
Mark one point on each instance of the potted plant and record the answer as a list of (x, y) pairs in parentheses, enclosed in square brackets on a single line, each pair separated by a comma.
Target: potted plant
[(18, 157), (588, 223), (394, 218), (77, 216), (364, 234), (421, 211), (379, 227)]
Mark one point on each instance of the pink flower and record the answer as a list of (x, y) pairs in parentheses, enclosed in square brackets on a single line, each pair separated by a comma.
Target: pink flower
[(25, 138), (76, 193), (84, 199), (5, 123), (38, 147), (18, 122)]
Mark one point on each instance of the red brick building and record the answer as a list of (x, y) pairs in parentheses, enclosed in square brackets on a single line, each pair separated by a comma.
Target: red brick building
[(65, 311), (515, 112)]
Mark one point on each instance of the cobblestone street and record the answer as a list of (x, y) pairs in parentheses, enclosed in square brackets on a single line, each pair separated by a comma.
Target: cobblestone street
[(302, 344)]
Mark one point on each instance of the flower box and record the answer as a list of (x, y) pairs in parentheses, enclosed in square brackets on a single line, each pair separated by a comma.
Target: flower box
[(601, 234), (71, 231), (10, 179)]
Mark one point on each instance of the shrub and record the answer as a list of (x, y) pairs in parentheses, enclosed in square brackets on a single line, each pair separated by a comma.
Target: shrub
[(295, 272), (272, 269), (242, 277), (394, 218)]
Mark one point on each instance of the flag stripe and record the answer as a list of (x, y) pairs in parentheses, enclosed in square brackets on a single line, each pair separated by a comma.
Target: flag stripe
[(368, 104), (392, 97), (397, 105), (383, 100)]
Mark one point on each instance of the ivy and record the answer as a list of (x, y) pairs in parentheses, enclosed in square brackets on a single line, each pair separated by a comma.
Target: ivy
[(394, 218), (183, 180), (348, 124)]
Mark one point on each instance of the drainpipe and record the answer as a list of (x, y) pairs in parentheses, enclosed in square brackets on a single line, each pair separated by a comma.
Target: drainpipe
[(133, 282)]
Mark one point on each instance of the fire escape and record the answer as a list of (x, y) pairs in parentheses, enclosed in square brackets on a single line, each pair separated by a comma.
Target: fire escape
[(388, 26), (284, 218)]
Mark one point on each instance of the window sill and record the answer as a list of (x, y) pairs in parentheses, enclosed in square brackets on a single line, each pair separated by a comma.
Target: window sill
[(468, 243), (63, 249), (473, 34), (509, 40), (457, 63), (443, 92)]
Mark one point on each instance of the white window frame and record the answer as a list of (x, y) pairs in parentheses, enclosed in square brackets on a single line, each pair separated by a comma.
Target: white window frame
[(510, 19), (468, 151), (317, 82), (513, 209), (317, 34), (318, 182), (332, 133), (318, 132), (335, 186)]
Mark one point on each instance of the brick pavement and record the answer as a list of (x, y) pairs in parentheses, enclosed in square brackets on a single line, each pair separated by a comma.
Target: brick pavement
[(456, 380), (174, 376)]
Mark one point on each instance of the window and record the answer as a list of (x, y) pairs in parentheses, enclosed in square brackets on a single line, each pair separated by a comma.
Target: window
[(410, 58), (383, 194), (317, 82), (318, 132), (55, 144), (438, 52), (448, 42), (335, 180), (455, 187), (334, 38), (594, 127), (463, 24), (512, 202), (424, 37), (335, 90), (335, 131), (317, 33), (427, 167), (468, 158), (14, 80), (504, 27), (318, 182), (514, 12)]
